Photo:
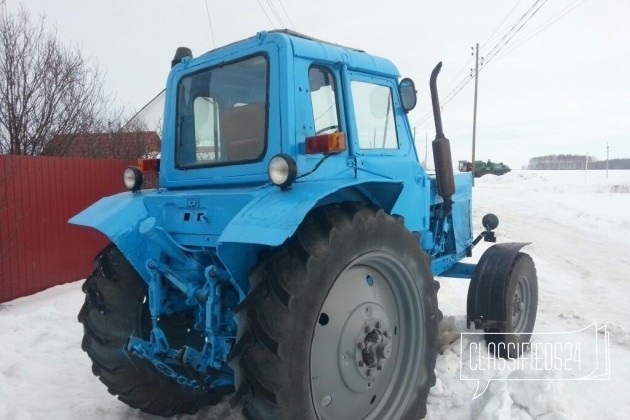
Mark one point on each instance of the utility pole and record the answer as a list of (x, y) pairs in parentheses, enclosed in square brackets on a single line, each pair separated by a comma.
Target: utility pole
[(607, 150), (475, 113)]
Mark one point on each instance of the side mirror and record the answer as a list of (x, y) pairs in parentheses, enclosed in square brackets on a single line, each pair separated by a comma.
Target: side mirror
[(407, 90)]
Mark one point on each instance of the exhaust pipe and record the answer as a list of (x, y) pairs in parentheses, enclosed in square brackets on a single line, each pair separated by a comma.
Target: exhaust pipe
[(441, 149)]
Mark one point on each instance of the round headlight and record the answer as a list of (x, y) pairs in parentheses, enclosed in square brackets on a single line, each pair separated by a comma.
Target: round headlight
[(133, 178), (282, 170)]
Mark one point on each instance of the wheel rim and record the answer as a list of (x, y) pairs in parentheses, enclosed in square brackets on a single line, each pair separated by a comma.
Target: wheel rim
[(521, 304), (367, 345)]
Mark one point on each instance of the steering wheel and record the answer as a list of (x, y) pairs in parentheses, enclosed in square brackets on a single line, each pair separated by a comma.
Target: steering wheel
[(330, 127)]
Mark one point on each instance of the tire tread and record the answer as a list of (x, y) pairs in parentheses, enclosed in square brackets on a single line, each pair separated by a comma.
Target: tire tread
[(114, 295), (265, 347)]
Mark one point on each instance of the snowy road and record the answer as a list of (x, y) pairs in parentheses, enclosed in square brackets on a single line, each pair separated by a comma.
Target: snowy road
[(580, 233)]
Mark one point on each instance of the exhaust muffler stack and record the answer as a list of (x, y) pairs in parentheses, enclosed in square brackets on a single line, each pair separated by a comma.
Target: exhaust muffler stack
[(441, 149)]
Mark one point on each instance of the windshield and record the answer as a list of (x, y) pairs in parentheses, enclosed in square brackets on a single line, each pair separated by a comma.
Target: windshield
[(222, 114)]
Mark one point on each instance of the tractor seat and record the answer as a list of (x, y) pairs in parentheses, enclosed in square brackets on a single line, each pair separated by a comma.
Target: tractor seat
[(243, 131)]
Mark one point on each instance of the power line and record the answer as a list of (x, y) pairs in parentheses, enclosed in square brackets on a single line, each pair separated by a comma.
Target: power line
[(490, 57), (466, 64), (524, 18), (507, 37), (210, 23), (265, 12), (501, 24), (457, 89), (285, 12), (275, 12), (547, 24), (449, 97)]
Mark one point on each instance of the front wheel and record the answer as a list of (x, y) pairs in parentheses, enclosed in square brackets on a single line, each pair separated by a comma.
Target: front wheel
[(520, 305), (341, 323)]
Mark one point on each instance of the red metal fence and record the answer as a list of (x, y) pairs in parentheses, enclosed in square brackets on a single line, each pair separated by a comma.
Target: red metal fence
[(38, 248)]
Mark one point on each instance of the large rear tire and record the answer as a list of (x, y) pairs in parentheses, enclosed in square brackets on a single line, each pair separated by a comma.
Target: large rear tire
[(114, 309), (341, 322)]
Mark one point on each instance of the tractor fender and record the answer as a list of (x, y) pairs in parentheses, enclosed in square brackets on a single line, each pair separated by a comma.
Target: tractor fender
[(488, 285), (272, 218), (114, 215), (118, 217)]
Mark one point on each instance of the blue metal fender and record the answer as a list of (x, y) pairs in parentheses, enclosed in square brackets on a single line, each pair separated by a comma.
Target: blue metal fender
[(113, 215), (272, 218), (486, 292), (118, 217)]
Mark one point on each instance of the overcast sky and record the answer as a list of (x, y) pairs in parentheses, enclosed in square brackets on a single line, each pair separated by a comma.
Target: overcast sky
[(564, 90)]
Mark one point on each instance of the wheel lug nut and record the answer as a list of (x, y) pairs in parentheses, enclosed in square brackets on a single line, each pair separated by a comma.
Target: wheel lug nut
[(368, 329), (379, 367), (360, 363), (361, 346), (369, 372)]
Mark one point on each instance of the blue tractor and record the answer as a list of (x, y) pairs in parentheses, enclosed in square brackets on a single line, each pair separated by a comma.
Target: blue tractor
[(288, 256)]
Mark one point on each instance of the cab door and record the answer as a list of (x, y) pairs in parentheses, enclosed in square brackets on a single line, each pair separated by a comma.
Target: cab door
[(382, 143)]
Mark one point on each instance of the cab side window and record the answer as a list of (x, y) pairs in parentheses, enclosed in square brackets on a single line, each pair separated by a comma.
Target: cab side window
[(374, 115), (323, 100)]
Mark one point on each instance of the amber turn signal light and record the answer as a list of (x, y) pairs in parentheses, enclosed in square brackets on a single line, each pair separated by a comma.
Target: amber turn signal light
[(326, 143), (149, 165)]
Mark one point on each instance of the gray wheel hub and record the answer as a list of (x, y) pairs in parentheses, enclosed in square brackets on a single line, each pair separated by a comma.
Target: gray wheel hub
[(364, 352), (520, 305), (374, 347), (364, 347)]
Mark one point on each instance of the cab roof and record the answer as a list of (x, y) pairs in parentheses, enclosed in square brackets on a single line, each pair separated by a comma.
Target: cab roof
[(318, 50)]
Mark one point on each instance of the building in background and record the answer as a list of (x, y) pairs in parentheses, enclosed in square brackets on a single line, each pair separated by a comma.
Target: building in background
[(117, 145)]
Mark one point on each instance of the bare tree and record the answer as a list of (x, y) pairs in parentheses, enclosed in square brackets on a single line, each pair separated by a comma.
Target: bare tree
[(46, 88)]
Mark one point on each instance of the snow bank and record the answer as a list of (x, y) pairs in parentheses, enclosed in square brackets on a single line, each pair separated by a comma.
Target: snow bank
[(587, 201), (44, 374), (512, 398)]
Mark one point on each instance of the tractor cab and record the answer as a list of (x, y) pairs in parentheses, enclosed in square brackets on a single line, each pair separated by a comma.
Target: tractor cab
[(230, 111)]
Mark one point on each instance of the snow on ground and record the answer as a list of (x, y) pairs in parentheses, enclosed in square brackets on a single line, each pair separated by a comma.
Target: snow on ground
[(580, 228), (44, 374)]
